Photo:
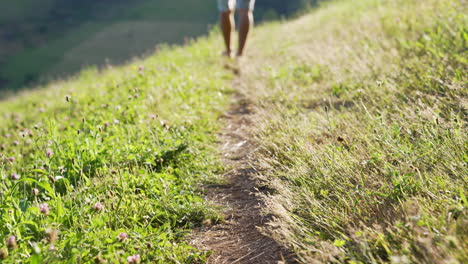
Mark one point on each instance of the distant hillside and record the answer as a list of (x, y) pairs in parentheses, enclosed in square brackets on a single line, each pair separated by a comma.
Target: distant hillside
[(53, 38), (61, 36)]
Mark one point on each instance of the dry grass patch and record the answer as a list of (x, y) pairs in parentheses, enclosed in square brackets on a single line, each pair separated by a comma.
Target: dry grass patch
[(362, 124)]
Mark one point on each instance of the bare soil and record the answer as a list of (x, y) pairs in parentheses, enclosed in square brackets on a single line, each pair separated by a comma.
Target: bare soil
[(238, 238)]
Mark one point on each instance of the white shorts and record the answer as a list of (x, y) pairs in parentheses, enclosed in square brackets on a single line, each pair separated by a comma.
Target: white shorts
[(226, 5)]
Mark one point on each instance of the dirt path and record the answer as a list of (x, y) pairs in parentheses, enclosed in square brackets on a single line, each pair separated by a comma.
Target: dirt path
[(238, 239)]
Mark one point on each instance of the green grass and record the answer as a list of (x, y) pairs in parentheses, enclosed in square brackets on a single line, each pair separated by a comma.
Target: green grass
[(363, 131), (137, 141), (361, 124)]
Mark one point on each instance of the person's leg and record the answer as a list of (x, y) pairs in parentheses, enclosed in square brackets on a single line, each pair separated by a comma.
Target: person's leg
[(246, 21), (226, 21), (227, 26)]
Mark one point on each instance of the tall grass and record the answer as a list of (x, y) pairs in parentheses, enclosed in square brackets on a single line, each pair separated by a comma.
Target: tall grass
[(363, 131)]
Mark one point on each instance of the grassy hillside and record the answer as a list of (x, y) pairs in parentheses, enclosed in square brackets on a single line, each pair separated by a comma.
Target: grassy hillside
[(104, 166), (50, 39), (58, 38), (363, 131), (361, 124)]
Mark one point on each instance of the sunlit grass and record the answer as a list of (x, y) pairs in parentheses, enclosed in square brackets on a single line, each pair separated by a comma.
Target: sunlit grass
[(104, 167), (362, 128)]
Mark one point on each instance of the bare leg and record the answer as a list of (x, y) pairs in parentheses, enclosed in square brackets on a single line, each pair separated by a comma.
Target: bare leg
[(246, 21), (227, 26)]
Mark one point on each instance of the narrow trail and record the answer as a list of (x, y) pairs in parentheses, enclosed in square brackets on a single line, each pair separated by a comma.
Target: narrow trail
[(238, 239)]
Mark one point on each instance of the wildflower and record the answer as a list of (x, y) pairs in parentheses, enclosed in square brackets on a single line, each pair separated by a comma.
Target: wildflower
[(116, 121), (3, 254), (28, 132), (52, 235), (49, 153), (133, 259), (11, 159), (44, 208), (15, 176), (98, 207), (11, 242), (122, 236), (16, 143), (35, 192)]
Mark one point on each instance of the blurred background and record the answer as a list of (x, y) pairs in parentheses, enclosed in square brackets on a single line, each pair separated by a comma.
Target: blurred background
[(41, 40)]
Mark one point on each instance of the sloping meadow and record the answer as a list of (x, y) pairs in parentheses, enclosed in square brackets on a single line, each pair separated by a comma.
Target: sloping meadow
[(103, 167), (363, 131)]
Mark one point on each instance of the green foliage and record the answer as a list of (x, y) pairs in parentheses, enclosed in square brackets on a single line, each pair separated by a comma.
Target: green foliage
[(112, 152)]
